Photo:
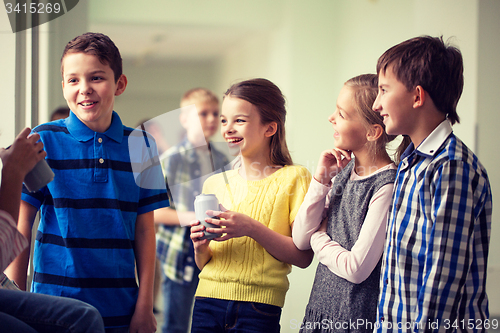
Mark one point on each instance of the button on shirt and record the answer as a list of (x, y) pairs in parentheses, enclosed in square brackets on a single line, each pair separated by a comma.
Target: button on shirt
[(434, 265)]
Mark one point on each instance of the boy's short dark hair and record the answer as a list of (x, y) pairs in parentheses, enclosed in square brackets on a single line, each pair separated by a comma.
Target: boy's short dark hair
[(99, 45), (429, 62)]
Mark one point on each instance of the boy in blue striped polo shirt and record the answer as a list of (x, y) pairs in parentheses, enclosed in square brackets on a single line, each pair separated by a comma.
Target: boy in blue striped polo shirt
[(434, 266), (96, 222)]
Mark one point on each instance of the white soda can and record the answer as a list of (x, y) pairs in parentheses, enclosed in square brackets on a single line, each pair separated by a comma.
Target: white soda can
[(202, 203)]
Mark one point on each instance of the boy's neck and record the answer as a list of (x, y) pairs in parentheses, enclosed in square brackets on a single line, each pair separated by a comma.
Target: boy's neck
[(426, 124), (100, 126)]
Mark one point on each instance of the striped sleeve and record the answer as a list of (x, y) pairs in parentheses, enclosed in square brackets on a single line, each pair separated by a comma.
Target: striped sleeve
[(453, 252), (11, 241)]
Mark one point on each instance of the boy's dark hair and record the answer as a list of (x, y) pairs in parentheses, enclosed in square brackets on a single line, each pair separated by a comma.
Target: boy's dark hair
[(270, 104), (99, 45), (428, 62)]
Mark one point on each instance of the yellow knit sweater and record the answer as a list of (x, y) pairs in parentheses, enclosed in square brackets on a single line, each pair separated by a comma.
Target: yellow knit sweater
[(240, 268)]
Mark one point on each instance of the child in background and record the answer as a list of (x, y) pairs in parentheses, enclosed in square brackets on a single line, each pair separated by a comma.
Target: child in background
[(435, 260), (185, 166), (348, 200), (60, 113), (96, 222), (243, 279)]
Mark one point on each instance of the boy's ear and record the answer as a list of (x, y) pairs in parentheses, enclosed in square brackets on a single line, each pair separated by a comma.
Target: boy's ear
[(419, 97), (375, 132), (272, 127), (121, 84)]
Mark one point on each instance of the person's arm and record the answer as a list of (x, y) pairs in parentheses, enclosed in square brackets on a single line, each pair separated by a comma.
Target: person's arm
[(17, 161), (279, 246), (356, 265), (143, 319), (11, 241), (310, 214), (312, 211), (169, 216), (18, 269), (457, 246)]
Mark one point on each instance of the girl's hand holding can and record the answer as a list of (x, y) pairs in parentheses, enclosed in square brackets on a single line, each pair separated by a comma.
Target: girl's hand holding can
[(202, 252), (197, 231), (232, 224)]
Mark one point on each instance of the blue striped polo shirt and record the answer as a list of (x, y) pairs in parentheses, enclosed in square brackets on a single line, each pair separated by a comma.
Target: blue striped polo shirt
[(84, 245)]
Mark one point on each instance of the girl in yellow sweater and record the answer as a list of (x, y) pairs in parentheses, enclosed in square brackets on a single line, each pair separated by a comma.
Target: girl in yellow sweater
[(243, 279)]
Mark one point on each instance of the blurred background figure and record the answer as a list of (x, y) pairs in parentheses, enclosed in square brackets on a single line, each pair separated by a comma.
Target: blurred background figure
[(60, 113), (155, 129), (185, 167)]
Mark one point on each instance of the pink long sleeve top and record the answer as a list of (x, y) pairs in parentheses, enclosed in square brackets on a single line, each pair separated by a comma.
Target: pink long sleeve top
[(355, 265), (11, 241)]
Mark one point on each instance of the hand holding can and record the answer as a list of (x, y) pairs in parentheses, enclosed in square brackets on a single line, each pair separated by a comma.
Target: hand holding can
[(202, 203)]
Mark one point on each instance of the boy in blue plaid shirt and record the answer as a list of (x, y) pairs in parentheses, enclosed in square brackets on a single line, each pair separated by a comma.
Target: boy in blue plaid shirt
[(434, 266), (185, 166)]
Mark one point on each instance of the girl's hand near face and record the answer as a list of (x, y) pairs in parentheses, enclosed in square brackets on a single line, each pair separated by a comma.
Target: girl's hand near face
[(331, 162)]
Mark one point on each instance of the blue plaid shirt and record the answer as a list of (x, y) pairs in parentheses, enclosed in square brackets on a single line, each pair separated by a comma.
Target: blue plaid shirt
[(434, 266), (184, 176)]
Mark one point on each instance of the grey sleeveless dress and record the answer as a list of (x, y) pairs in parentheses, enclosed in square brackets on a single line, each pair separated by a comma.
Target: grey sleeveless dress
[(335, 304)]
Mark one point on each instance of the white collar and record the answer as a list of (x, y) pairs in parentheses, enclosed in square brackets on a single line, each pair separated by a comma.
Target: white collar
[(433, 141)]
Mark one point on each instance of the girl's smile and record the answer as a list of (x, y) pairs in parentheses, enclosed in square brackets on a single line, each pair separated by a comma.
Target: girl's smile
[(241, 127)]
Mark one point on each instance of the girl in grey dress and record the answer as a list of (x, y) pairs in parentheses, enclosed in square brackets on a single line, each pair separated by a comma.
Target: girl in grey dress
[(344, 214)]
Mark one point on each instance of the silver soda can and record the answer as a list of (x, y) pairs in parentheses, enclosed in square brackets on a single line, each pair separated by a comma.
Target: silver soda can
[(202, 203), (39, 176)]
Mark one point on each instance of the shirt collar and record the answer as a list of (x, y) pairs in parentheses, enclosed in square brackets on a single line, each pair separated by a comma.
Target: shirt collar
[(432, 142), (82, 133)]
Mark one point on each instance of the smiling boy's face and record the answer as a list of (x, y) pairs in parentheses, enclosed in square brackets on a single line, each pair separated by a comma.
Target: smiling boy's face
[(89, 88), (395, 104)]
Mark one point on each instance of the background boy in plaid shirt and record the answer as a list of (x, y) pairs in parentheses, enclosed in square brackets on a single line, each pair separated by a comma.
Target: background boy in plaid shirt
[(185, 166)]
